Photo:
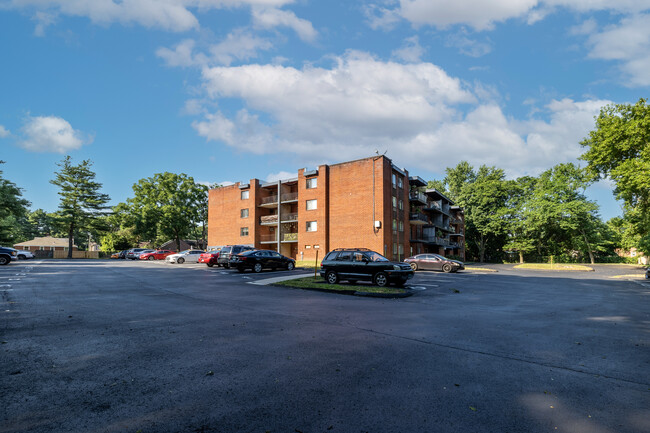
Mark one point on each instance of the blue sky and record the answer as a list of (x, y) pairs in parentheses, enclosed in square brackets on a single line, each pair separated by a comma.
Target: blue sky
[(227, 90)]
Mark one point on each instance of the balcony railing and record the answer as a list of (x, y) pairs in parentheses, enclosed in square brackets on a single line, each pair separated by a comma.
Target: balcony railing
[(269, 238), (288, 237), (418, 196), (269, 219), (418, 217), (269, 199), (290, 217), (433, 205), (289, 196)]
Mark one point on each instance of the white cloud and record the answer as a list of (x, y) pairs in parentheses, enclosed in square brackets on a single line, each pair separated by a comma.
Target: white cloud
[(410, 52), (416, 111), (467, 46), (4, 132), (268, 18), (181, 55), (282, 175), (629, 43), (172, 15), (51, 134), (483, 15)]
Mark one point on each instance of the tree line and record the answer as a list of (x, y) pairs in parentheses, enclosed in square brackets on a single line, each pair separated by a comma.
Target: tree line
[(528, 218)]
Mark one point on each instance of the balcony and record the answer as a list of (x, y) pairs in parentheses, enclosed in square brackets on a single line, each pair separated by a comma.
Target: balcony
[(433, 205), (418, 196), (418, 218), (289, 217), (290, 237), (289, 197), (269, 220), (268, 239), (269, 201)]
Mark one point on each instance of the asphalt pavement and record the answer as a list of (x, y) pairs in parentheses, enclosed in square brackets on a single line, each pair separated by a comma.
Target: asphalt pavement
[(123, 346)]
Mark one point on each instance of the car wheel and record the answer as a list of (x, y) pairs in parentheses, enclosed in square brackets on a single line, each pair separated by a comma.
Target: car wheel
[(257, 268), (151, 258), (290, 266), (4, 260), (381, 279), (180, 260), (446, 268), (332, 277), (210, 265), (21, 257), (413, 266)]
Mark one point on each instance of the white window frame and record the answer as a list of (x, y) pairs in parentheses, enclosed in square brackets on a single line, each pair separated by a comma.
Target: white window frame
[(314, 202), (312, 183), (241, 213), (241, 231), (311, 226), (245, 194)]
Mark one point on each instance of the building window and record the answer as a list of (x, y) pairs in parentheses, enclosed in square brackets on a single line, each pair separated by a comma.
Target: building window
[(307, 247), (400, 250), (394, 201), (316, 247), (311, 204), (243, 231), (394, 249), (311, 226), (401, 205), (399, 182), (394, 180), (312, 183), (244, 213), (244, 195), (394, 225), (401, 226)]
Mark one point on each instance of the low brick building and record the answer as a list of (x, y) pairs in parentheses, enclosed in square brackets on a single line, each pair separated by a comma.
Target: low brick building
[(367, 203), (46, 243)]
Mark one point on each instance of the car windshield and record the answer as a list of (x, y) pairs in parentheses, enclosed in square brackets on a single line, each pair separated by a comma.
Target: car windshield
[(438, 256), (376, 257), (185, 252)]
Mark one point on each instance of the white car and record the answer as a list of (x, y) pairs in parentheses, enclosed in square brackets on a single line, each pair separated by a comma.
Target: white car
[(189, 256), (24, 255)]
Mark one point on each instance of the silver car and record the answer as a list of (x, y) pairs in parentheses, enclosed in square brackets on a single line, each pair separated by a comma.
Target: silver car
[(189, 256)]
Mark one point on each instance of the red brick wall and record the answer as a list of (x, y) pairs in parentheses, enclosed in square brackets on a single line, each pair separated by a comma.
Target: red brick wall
[(310, 242), (224, 215)]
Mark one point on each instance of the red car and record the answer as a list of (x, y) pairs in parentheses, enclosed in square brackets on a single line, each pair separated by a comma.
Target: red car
[(156, 255), (210, 258)]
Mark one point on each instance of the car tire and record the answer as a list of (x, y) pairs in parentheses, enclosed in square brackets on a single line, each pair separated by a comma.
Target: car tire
[(413, 266), (22, 257), (257, 268), (332, 277), (210, 265), (446, 268), (290, 266), (151, 258), (381, 279), (180, 260), (4, 260)]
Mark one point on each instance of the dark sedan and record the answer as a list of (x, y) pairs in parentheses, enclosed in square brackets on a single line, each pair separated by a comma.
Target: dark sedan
[(434, 262), (261, 259)]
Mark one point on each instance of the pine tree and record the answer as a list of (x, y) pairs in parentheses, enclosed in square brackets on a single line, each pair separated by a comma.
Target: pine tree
[(81, 204)]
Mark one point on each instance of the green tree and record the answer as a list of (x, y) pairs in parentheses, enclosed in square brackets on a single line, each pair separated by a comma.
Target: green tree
[(82, 205), (12, 208), (619, 149), (521, 235), (167, 206)]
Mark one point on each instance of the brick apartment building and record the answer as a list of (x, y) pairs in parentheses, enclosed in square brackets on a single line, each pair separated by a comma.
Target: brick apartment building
[(367, 203)]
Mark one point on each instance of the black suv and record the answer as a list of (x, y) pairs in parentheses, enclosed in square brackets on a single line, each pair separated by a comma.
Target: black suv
[(230, 250), (7, 255), (355, 264)]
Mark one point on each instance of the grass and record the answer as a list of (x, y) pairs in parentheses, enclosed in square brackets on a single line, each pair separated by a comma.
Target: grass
[(554, 267), (309, 264), (319, 283), (478, 268)]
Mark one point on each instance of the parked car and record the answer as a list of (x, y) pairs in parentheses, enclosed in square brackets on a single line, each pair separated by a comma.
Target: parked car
[(231, 250), (24, 255), (189, 256), (7, 255), (434, 262), (115, 255), (211, 257), (134, 253), (354, 264), (155, 255), (261, 259)]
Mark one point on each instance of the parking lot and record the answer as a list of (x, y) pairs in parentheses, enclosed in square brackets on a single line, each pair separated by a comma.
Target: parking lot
[(123, 346)]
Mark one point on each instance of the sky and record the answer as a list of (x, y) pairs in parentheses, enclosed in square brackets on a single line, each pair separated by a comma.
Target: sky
[(229, 90)]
